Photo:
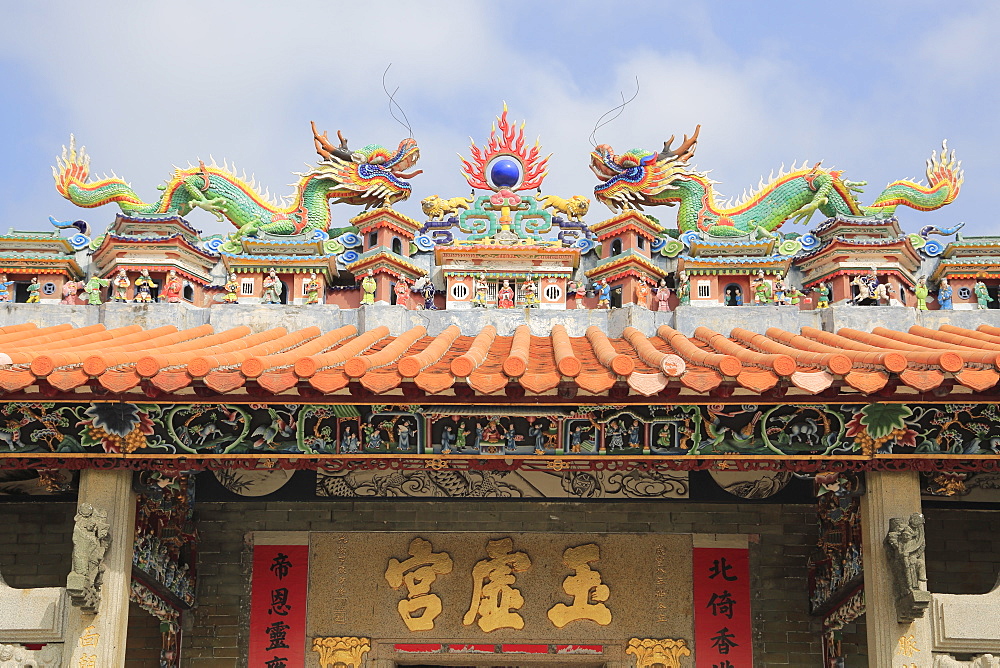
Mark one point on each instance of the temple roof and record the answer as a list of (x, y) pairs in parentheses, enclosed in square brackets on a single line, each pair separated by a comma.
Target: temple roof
[(69, 362)]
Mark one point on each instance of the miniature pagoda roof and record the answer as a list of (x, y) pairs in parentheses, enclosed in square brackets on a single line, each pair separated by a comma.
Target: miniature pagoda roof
[(704, 248), (384, 259), (618, 265), (629, 218), (45, 252), (859, 226), (131, 224), (385, 217), (733, 264)]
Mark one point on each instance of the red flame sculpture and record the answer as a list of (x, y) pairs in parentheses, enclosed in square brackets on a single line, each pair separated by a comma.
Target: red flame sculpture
[(508, 143)]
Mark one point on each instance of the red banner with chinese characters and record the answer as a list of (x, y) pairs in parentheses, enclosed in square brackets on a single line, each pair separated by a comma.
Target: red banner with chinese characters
[(278, 606), (722, 621)]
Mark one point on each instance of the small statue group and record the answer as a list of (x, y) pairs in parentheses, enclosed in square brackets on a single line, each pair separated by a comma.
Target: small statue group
[(34, 288), (402, 290), (578, 291), (368, 287), (121, 283), (232, 288)]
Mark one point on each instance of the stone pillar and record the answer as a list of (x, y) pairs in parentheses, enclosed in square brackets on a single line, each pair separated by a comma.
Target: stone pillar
[(890, 644), (98, 640)]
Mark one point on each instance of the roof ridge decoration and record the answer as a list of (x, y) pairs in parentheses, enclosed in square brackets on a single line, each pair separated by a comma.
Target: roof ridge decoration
[(640, 178)]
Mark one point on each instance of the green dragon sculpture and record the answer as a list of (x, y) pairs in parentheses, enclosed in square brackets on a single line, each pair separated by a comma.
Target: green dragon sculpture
[(371, 177), (641, 178)]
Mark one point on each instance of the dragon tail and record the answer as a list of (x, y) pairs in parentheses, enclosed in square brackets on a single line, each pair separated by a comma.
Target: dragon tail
[(944, 175), (72, 172)]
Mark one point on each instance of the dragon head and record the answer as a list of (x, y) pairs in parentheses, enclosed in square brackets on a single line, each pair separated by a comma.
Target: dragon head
[(630, 179)]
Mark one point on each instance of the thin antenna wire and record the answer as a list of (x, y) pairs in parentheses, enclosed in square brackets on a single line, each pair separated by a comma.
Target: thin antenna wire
[(620, 109), (392, 102)]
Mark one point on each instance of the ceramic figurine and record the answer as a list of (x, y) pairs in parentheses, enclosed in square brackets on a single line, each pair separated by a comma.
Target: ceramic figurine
[(944, 295), (172, 288), (481, 289), (604, 294), (822, 291), (33, 295), (794, 296), (578, 291), (232, 295), (921, 292), (683, 289), (70, 289), (120, 284), (734, 297), (530, 293), (312, 289), (662, 296), (93, 289), (5, 288), (349, 443), (368, 287), (982, 295), (779, 291), (761, 290), (505, 296), (402, 290), (428, 291), (142, 287), (272, 289), (642, 294)]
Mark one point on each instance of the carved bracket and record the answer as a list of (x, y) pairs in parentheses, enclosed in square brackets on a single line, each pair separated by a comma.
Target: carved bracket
[(344, 651), (905, 543), (91, 538), (649, 652)]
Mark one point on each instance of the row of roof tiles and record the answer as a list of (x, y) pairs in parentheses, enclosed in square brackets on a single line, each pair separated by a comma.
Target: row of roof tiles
[(64, 359)]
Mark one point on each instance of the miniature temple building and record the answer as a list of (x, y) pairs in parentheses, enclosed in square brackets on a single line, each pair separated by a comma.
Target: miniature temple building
[(292, 260), (158, 245), (45, 255), (966, 262), (627, 240), (721, 271), (386, 237), (850, 248)]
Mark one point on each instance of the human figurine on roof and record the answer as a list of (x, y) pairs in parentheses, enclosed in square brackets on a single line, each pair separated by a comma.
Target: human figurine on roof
[(921, 292), (5, 288), (944, 295), (312, 289), (33, 295), (761, 289), (662, 296), (982, 295), (794, 296), (143, 284), (273, 288), (402, 290), (121, 285), (530, 293), (93, 289), (779, 291), (70, 289), (642, 294), (604, 295), (578, 290), (172, 288), (683, 289), (427, 292), (505, 295), (232, 286), (368, 287), (481, 289), (822, 291), (734, 297)]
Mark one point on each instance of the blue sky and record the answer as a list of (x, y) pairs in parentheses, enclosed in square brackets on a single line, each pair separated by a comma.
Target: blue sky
[(867, 87)]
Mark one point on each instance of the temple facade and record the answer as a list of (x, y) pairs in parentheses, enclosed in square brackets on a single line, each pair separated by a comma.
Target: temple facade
[(513, 433)]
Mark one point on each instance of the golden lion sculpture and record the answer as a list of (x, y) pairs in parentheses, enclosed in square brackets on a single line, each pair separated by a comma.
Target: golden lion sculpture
[(438, 208), (573, 208)]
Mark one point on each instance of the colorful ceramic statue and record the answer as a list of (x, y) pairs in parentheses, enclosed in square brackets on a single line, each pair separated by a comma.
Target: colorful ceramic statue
[(641, 178), (5, 293), (982, 295), (870, 290), (93, 289), (368, 287), (481, 290), (734, 297), (822, 291), (530, 292), (232, 286), (402, 290), (371, 177), (428, 291), (604, 294), (944, 295), (642, 294), (683, 289), (779, 291), (120, 285), (921, 292), (761, 290), (34, 295), (172, 288), (143, 285), (662, 296), (70, 289), (505, 296), (312, 289), (272, 289), (579, 292), (794, 296)]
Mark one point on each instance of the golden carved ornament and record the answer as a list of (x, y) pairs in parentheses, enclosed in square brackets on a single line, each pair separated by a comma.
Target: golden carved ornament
[(437, 464), (341, 650), (649, 652), (556, 465)]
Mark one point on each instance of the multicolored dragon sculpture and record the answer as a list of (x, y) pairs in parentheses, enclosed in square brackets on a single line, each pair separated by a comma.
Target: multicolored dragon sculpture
[(371, 177), (639, 178)]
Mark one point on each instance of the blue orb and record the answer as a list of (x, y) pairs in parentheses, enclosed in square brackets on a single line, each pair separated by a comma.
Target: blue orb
[(505, 173)]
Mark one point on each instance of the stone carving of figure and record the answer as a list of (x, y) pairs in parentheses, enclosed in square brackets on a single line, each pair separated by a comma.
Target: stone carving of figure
[(944, 295), (273, 288), (905, 544), (91, 538)]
